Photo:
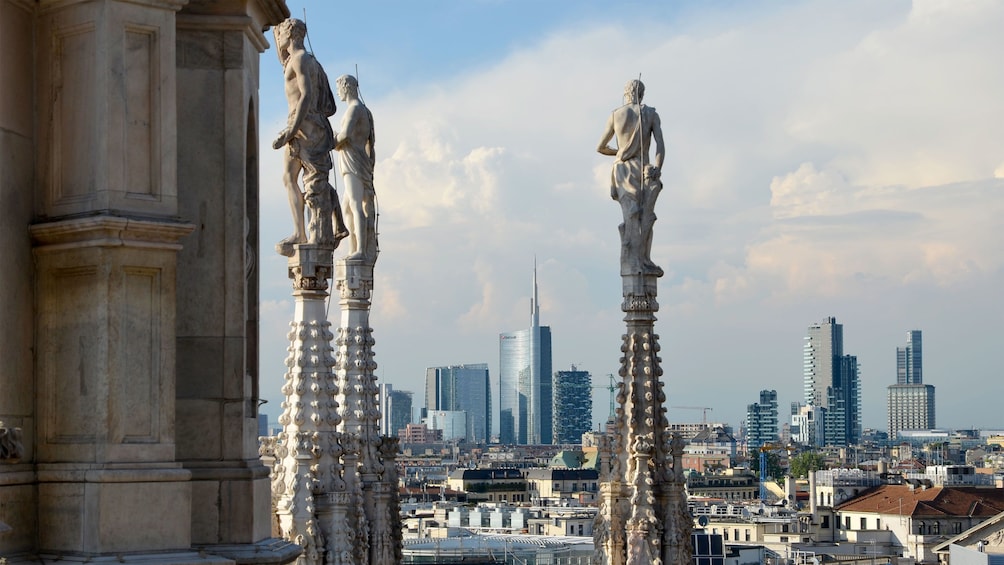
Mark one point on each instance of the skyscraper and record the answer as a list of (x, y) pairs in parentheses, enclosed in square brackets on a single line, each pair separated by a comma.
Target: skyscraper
[(573, 405), (525, 381), (909, 360), (761, 420), (911, 403), (462, 388), (395, 409), (831, 382)]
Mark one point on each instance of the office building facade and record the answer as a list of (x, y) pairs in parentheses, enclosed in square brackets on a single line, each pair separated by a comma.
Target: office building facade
[(910, 401), (909, 360), (462, 388), (831, 381), (395, 409), (572, 405), (525, 388)]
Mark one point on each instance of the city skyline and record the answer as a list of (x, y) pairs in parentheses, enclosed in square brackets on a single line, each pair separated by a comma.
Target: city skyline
[(822, 159)]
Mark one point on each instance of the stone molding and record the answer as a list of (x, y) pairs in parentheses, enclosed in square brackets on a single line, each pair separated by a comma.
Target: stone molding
[(52, 5), (108, 231)]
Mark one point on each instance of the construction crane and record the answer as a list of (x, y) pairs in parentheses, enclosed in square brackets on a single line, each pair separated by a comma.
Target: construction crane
[(763, 464), (703, 409), (612, 387)]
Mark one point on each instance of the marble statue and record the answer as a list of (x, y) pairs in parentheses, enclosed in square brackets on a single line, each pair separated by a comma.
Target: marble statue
[(635, 182), (356, 157), (308, 140)]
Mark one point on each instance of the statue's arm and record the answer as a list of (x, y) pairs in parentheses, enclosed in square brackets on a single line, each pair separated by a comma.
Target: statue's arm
[(660, 146), (608, 134)]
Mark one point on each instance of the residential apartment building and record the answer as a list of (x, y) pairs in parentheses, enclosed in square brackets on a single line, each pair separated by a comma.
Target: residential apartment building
[(572, 405), (761, 420), (563, 487), (711, 449), (491, 485), (911, 520), (730, 485)]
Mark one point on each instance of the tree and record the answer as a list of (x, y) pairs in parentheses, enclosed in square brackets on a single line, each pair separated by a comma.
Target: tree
[(774, 469), (806, 462)]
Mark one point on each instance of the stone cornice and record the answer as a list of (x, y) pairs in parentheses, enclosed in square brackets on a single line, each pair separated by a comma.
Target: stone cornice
[(173, 5), (199, 22), (108, 231), (274, 11)]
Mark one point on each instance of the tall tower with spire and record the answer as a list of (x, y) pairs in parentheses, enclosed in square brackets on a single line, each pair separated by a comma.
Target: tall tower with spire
[(525, 416)]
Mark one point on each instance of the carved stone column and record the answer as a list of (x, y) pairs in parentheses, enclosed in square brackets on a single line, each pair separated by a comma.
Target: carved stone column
[(378, 533), (307, 450), (640, 520)]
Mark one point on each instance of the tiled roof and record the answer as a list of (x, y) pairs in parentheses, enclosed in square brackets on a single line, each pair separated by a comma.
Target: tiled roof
[(929, 502)]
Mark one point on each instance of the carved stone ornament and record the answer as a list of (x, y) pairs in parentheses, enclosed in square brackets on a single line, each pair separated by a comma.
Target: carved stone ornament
[(11, 445)]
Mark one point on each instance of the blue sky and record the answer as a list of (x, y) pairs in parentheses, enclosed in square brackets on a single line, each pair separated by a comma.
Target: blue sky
[(824, 159)]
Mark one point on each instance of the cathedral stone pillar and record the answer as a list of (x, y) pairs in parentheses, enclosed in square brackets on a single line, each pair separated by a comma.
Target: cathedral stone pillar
[(218, 400), (106, 235), (18, 495)]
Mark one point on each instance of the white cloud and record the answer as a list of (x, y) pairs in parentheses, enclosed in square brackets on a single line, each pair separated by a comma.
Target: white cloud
[(823, 159)]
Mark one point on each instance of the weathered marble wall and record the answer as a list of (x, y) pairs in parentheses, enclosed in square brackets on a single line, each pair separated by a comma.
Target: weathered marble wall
[(219, 46), (17, 491)]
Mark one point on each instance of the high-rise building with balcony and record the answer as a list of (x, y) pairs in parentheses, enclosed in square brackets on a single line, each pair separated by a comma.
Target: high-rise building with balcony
[(831, 382), (572, 405), (525, 393), (761, 420)]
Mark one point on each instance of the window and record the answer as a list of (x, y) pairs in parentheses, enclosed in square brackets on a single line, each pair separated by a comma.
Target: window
[(847, 522), (864, 523)]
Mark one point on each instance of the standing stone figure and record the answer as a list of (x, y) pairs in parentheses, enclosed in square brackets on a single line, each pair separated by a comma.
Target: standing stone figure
[(356, 158), (635, 182), (308, 140)]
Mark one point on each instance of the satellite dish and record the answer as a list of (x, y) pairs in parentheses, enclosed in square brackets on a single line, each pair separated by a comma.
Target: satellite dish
[(702, 521)]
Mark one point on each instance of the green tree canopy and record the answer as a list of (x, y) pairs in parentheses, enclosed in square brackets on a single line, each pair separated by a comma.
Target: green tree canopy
[(806, 462)]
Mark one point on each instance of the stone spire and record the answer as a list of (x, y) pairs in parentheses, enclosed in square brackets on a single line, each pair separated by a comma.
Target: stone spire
[(643, 517), (334, 478)]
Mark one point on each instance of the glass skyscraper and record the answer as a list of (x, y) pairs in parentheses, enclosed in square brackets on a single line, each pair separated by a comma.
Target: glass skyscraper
[(909, 360), (462, 388), (831, 382), (525, 411)]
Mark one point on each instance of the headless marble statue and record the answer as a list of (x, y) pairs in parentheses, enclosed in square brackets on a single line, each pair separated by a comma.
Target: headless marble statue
[(308, 140)]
